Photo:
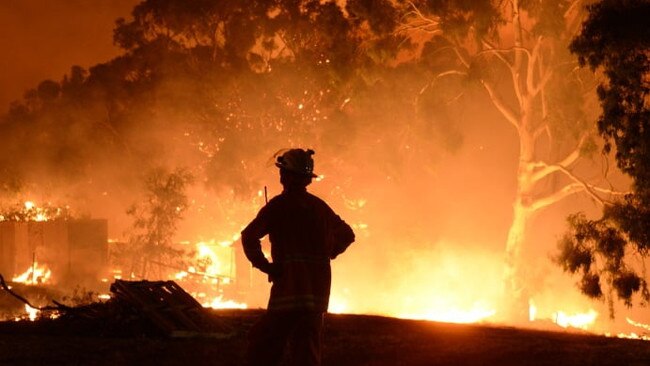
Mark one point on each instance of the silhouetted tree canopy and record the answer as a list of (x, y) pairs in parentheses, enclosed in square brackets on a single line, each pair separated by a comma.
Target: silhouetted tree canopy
[(225, 78), (155, 221), (610, 253), (616, 39)]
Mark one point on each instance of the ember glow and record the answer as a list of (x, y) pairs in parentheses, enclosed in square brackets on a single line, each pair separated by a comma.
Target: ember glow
[(37, 274), (39, 213), (32, 313), (214, 259), (643, 334), (422, 291), (213, 270), (219, 303), (477, 313), (581, 321)]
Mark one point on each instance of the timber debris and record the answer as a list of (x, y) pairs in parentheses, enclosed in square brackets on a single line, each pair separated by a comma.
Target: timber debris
[(136, 308)]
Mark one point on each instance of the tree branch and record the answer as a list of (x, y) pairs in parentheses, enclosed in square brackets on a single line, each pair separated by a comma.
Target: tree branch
[(557, 196), (530, 71), (493, 48), (422, 23), (440, 75), (511, 68), (545, 78), (419, 14), (568, 160), (420, 27), (584, 186), (500, 105)]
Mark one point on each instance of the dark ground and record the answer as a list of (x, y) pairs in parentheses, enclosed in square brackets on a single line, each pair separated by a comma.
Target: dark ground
[(349, 340)]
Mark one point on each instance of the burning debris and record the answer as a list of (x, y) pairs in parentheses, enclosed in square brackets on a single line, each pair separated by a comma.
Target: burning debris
[(46, 252), (167, 306), (159, 308), (46, 244), (36, 274)]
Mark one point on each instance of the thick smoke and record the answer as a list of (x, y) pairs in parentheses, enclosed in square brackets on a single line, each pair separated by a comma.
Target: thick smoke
[(428, 190), (42, 39)]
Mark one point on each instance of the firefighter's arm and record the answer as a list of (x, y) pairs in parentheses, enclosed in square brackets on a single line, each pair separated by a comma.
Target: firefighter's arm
[(250, 238), (342, 237)]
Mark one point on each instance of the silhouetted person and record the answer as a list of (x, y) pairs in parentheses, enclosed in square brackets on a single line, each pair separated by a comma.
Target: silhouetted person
[(305, 235)]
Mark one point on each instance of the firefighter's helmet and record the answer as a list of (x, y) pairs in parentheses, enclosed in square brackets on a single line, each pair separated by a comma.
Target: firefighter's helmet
[(297, 161)]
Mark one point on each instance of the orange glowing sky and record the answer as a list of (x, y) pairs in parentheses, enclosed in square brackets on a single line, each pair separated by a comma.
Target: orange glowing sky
[(41, 39)]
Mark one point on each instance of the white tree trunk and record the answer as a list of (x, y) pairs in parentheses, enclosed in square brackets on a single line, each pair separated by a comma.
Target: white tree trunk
[(522, 213)]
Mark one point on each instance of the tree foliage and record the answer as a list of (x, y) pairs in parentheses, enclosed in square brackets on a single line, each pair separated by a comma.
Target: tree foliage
[(207, 78), (155, 220), (598, 253), (615, 39)]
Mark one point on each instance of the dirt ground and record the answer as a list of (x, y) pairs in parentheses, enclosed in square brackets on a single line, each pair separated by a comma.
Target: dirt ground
[(349, 340)]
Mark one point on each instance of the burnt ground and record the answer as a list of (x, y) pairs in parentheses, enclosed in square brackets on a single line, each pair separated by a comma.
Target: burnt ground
[(349, 340)]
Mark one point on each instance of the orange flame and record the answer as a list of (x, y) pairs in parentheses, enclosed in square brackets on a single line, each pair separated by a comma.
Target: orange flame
[(32, 313), (578, 320), (214, 259), (36, 274), (219, 303)]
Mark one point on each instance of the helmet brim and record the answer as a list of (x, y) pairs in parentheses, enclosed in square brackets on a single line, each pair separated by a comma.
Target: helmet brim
[(312, 175)]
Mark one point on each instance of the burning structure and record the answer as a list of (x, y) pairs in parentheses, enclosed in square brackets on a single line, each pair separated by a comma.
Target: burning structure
[(67, 252)]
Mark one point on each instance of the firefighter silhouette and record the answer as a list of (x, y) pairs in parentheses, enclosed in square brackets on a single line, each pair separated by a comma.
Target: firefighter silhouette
[(305, 234)]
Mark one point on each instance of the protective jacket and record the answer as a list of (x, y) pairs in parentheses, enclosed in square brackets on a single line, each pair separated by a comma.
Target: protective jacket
[(305, 234)]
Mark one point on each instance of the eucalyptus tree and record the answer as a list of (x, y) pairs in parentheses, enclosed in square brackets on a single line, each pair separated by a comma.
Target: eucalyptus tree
[(610, 253), (517, 53)]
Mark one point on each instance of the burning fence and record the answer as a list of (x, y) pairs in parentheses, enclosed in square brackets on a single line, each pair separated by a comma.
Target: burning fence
[(67, 252), (218, 276), (40, 248)]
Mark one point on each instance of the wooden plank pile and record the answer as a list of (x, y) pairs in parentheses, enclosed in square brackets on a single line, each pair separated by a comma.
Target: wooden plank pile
[(166, 305), (136, 308)]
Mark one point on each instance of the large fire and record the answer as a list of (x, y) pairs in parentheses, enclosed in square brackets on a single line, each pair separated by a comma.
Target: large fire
[(444, 292), (215, 260)]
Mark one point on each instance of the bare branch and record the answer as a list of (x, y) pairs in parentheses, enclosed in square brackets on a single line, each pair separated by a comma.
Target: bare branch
[(576, 187), (568, 160), (510, 115), (588, 188), (423, 23), (545, 78), (419, 27), (441, 75), (419, 14), (557, 196), (530, 69), (511, 68), (492, 47), (496, 52), (543, 94)]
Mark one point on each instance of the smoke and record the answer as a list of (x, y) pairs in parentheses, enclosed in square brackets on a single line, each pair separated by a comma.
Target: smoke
[(42, 39), (429, 194)]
